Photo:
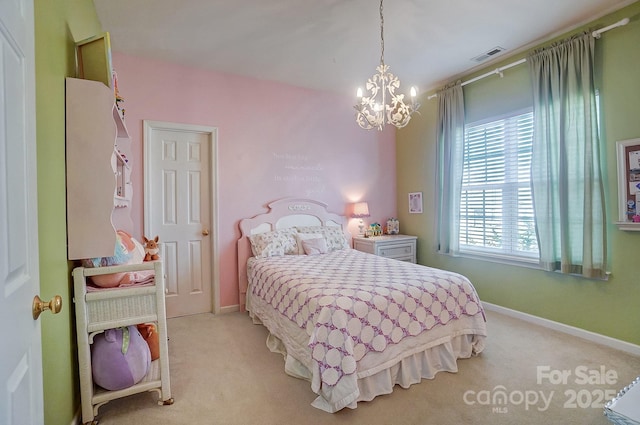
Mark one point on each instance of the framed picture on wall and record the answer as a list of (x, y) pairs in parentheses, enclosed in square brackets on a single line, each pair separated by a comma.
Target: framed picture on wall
[(415, 203), (628, 153)]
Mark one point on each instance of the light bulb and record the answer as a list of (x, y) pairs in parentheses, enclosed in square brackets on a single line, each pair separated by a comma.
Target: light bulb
[(414, 92), (359, 93)]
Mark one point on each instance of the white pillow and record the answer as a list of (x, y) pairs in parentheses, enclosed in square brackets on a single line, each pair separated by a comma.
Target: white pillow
[(314, 246), (333, 235), (301, 237)]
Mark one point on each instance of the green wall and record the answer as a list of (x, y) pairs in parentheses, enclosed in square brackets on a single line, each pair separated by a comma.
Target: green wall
[(58, 25), (605, 307)]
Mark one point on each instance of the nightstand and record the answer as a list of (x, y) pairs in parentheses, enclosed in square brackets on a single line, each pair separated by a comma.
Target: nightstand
[(399, 247)]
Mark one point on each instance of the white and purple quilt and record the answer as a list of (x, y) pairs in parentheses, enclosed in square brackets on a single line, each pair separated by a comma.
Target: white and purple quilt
[(351, 304)]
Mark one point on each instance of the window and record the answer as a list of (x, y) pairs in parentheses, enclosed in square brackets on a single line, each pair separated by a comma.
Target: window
[(496, 209)]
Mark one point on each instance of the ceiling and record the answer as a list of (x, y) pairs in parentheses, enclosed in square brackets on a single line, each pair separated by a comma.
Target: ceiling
[(335, 44)]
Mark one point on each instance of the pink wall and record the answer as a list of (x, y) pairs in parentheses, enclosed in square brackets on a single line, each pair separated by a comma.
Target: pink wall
[(274, 141)]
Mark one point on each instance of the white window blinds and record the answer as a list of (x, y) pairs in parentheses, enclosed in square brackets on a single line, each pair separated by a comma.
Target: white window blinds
[(496, 210)]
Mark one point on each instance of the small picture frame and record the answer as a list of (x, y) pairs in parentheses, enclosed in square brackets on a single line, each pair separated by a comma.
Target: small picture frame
[(415, 203)]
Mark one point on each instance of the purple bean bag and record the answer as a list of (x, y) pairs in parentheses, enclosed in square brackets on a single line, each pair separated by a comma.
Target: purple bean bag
[(120, 358)]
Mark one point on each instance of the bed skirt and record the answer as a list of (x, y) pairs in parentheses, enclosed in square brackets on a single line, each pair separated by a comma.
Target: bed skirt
[(403, 364)]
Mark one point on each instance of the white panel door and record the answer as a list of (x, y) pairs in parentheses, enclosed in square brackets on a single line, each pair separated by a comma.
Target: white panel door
[(178, 209), (21, 398)]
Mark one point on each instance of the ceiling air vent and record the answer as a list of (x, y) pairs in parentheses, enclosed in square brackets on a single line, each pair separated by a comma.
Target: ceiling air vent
[(486, 55)]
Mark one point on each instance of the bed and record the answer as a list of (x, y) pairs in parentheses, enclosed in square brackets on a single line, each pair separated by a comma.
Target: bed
[(353, 324)]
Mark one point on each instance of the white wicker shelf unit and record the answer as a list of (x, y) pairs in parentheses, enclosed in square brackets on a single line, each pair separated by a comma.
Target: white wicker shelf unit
[(97, 311)]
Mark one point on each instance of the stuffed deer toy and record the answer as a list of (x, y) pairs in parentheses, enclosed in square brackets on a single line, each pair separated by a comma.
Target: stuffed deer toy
[(151, 249)]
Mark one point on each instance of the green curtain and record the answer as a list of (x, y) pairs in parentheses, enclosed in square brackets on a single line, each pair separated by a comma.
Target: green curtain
[(449, 139), (566, 177)]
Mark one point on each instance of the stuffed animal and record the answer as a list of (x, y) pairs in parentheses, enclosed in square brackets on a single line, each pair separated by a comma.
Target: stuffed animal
[(120, 358), (151, 249), (150, 334)]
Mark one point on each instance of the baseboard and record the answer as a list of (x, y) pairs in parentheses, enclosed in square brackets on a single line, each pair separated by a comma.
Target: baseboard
[(76, 418), (617, 344), (230, 309)]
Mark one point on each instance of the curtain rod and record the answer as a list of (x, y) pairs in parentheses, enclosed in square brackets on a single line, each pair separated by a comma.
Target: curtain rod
[(620, 23), (594, 34)]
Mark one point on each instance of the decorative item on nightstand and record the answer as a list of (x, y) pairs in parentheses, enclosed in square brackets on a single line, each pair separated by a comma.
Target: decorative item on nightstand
[(360, 211), (393, 226)]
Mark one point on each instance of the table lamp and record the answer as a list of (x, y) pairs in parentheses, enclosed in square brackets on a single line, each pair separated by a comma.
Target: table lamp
[(360, 211)]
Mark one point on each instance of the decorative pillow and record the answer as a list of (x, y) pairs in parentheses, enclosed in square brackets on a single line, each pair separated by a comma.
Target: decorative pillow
[(274, 243), (333, 235), (300, 237), (314, 246), (274, 249)]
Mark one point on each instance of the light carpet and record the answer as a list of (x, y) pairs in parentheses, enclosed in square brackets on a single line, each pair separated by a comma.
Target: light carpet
[(223, 373)]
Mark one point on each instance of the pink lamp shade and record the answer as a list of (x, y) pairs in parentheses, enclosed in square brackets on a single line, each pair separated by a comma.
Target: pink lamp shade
[(360, 210)]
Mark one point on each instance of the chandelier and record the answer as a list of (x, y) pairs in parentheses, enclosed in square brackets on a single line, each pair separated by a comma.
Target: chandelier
[(373, 111)]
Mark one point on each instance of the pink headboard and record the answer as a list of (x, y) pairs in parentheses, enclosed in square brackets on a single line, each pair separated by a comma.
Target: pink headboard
[(282, 214)]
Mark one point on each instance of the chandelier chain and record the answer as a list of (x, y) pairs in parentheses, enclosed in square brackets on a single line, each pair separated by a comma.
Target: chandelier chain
[(381, 35)]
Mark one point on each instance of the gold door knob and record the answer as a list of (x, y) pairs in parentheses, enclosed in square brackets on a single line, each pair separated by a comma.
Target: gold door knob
[(55, 305), (205, 232)]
